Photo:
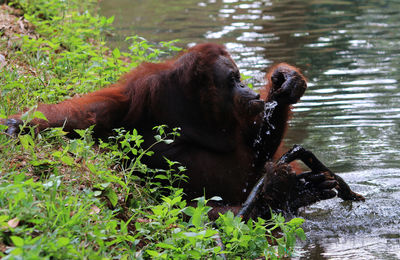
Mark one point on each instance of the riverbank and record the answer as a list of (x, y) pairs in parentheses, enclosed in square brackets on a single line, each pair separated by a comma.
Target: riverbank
[(76, 198)]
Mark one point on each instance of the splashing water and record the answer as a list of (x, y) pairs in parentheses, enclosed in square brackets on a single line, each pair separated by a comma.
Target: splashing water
[(266, 125), (265, 129), (269, 110)]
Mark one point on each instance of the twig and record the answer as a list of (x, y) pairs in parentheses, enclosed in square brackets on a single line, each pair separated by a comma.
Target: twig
[(221, 245)]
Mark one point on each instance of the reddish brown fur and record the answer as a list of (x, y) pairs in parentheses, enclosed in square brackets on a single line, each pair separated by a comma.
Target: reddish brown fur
[(285, 114), (217, 142)]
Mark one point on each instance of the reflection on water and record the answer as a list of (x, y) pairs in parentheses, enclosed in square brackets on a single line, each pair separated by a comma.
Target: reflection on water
[(350, 115)]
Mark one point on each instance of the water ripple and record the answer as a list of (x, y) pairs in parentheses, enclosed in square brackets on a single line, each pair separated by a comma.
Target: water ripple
[(350, 114)]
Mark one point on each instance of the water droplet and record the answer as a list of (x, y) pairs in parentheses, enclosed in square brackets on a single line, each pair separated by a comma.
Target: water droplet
[(265, 129)]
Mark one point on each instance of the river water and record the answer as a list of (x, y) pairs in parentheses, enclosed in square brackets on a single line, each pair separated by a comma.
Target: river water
[(349, 116)]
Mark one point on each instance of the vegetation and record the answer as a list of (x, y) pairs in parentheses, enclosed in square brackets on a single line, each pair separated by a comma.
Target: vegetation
[(68, 199)]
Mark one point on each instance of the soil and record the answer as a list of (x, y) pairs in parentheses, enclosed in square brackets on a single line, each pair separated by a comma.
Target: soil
[(13, 26)]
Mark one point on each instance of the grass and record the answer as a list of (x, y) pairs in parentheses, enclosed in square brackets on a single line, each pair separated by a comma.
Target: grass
[(76, 198)]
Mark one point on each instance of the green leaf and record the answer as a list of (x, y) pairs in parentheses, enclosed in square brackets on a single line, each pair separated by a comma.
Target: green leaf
[(210, 232), (112, 196), (42, 162), (152, 253), (48, 184), (91, 167), (63, 241), (300, 233), (110, 20), (168, 141), (161, 177), (196, 218), (296, 222), (194, 254), (189, 211), (68, 160), (105, 185), (3, 218), (17, 251), (17, 241), (116, 53), (39, 115), (216, 198), (26, 141), (166, 246), (191, 234), (18, 178), (25, 116)]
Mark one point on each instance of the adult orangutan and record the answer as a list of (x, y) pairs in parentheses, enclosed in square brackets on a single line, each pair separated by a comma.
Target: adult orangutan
[(225, 138)]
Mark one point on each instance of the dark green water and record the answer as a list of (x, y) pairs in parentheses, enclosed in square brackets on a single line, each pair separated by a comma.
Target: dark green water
[(349, 116)]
